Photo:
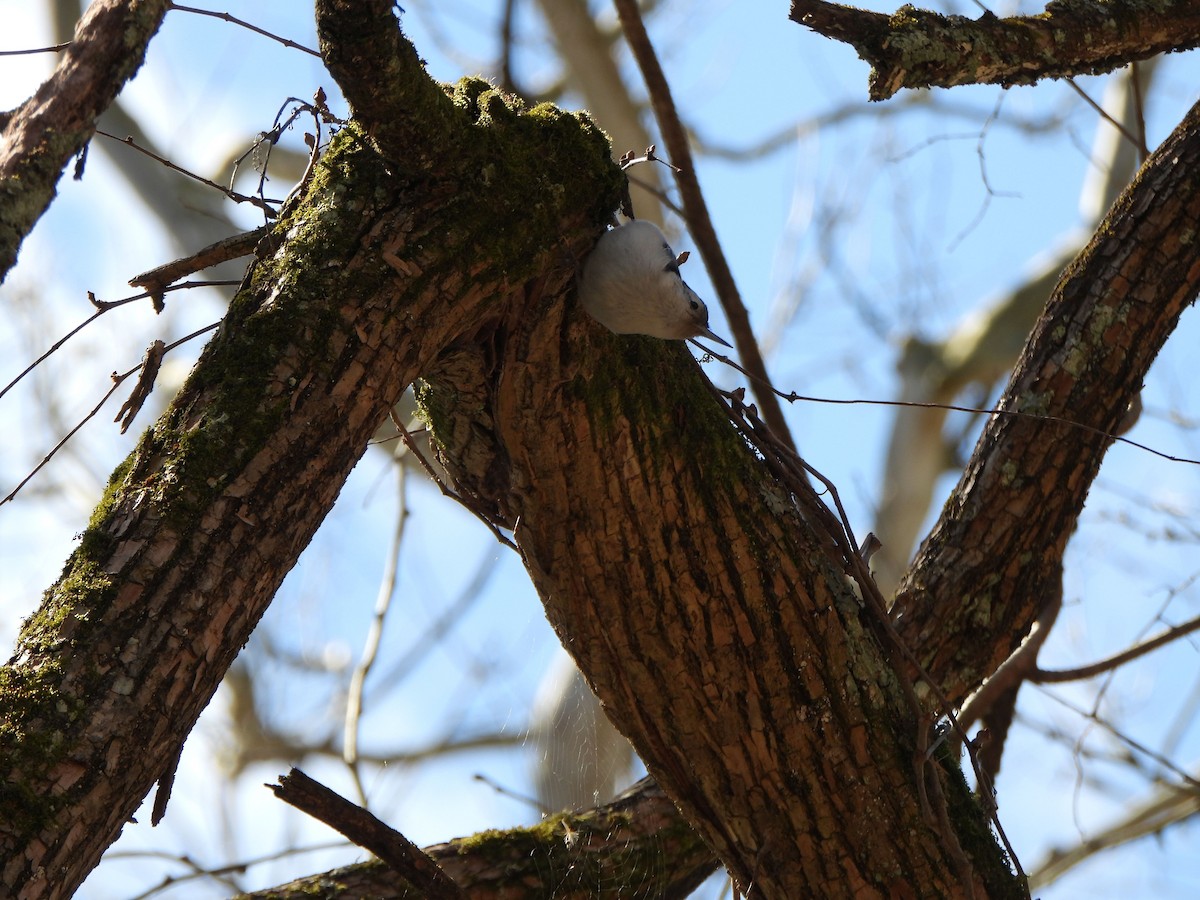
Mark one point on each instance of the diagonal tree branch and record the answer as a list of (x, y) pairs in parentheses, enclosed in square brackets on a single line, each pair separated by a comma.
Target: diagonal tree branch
[(57, 122), (635, 848), (916, 48), (979, 580), (400, 854), (381, 267), (706, 604)]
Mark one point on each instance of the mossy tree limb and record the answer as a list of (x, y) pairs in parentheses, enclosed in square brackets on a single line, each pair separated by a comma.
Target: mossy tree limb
[(915, 48), (708, 611), (635, 848), (373, 272)]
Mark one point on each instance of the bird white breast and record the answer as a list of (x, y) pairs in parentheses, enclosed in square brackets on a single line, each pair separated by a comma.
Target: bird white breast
[(628, 286)]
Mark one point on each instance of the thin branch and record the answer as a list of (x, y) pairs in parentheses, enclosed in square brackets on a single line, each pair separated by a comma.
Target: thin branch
[(423, 644), (792, 397), (264, 205), (1125, 739), (102, 306), (1138, 141), (506, 46), (237, 867), (1043, 676), (117, 380), (461, 498), (698, 219), (226, 17), (156, 280), (383, 602), (55, 48)]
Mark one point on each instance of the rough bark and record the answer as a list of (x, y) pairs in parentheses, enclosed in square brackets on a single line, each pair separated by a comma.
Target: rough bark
[(994, 559), (710, 615), (57, 122), (382, 266), (708, 606), (916, 48)]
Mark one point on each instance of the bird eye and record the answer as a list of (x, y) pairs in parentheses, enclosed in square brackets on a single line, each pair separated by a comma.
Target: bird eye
[(672, 266), (695, 304)]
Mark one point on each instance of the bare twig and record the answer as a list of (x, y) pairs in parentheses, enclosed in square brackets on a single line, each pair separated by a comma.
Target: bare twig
[(264, 205), (235, 246), (793, 396), (117, 380), (1125, 739), (1139, 142), (383, 601), (447, 491), (54, 48), (226, 17), (1042, 676), (102, 306)]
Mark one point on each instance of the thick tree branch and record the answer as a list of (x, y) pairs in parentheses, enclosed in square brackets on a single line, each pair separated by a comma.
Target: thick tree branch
[(635, 848), (198, 528), (710, 612), (916, 48), (57, 122), (413, 122), (995, 556)]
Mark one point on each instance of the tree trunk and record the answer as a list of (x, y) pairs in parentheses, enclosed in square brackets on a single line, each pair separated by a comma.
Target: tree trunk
[(715, 606)]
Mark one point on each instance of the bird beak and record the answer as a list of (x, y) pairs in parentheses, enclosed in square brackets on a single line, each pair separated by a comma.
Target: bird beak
[(708, 333)]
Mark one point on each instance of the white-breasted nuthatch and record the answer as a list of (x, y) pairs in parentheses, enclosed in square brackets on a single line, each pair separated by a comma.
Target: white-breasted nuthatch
[(631, 285)]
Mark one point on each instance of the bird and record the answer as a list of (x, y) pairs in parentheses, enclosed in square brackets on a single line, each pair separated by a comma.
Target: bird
[(631, 284)]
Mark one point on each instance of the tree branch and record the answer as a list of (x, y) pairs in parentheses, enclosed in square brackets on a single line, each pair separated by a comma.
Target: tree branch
[(704, 603), (400, 854), (696, 212), (57, 122), (979, 580), (635, 848), (414, 122), (1045, 676), (916, 48), (374, 273)]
